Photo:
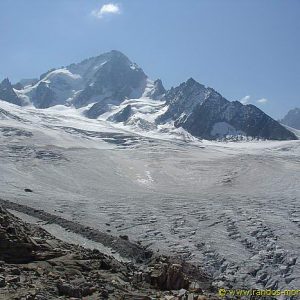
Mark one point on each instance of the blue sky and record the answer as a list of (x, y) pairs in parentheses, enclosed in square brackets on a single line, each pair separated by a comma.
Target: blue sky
[(245, 49)]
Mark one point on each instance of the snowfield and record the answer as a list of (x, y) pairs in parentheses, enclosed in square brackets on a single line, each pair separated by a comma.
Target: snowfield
[(232, 207)]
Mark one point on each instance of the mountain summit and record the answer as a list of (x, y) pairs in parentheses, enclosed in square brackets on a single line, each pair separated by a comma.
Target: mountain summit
[(111, 87), (205, 113)]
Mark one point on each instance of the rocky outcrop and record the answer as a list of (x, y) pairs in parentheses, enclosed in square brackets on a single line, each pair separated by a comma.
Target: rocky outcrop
[(43, 96), (157, 91), (15, 246), (43, 267), (8, 94), (97, 110), (122, 116), (168, 277), (18, 245), (292, 119)]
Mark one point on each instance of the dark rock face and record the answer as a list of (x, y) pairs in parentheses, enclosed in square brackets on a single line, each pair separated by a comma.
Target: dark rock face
[(292, 119), (115, 79), (15, 246), (123, 115), (36, 265), (43, 96), (245, 120), (206, 114), (8, 94), (182, 99)]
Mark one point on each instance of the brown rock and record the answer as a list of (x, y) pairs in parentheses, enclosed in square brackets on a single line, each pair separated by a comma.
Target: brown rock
[(76, 291), (168, 277)]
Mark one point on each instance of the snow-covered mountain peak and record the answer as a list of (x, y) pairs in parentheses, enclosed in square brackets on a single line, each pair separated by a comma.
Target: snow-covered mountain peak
[(114, 89), (108, 78)]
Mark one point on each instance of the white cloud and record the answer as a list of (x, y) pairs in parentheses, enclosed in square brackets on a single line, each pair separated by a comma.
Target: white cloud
[(245, 99), (106, 9), (262, 101)]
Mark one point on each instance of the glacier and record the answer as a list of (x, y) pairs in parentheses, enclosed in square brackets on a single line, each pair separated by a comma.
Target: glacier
[(232, 207)]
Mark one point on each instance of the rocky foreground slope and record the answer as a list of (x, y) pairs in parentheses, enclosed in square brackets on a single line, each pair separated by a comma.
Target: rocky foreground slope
[(36, 265)]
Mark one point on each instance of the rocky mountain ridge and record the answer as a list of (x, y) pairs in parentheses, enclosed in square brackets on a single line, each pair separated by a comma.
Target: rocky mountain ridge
[(105, 84)]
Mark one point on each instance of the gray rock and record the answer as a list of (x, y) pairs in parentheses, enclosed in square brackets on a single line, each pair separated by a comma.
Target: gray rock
[(158, 90), (168, 277), (97, 110), (43, 96), (8, 94), (204, 113), (123, 115)]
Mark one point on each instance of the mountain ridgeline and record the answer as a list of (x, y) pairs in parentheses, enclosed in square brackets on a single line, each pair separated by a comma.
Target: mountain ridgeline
[(104, 86)]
